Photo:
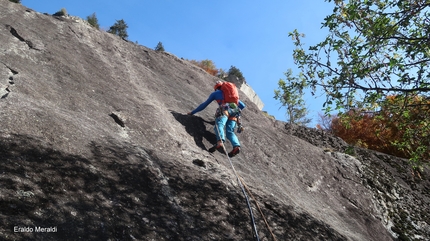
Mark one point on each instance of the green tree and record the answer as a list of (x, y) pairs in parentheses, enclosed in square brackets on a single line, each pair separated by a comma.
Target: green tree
[(236, 72), (159, 47), (93, 21), (119, 28), (374, 49), (290, 94), (222, 74)]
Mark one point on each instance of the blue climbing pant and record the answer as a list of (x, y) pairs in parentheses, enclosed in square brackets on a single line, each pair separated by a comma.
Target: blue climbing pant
[(229, 125)]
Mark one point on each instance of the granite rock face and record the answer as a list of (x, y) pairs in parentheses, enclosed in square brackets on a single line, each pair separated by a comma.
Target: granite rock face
[(247, 90), (95, 145)]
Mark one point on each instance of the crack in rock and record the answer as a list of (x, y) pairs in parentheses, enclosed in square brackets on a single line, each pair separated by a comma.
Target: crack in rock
[(14, 72), (199, 163), (5, 90), (16, 35), (117, 119), (3, 94)]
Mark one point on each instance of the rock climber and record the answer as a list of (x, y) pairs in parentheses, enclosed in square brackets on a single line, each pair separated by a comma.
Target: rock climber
[(227, 116)]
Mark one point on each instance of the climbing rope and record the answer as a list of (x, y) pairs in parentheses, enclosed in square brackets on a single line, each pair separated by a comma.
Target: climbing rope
[(242, 187), (259, 209)]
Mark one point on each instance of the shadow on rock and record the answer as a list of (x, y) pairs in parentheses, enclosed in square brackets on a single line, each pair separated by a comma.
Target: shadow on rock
[(116, 193), (196, 127)]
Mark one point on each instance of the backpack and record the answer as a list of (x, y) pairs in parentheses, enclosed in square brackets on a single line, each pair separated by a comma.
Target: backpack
[(230, 93)]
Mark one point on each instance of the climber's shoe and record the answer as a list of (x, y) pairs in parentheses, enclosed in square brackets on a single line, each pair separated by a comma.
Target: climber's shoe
[(234, 152), (218, 146)]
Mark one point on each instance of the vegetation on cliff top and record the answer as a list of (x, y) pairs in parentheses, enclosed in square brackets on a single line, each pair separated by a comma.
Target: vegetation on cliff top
[(374, 64)]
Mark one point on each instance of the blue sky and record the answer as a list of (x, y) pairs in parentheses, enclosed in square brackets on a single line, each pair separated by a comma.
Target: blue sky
[(251, 35)]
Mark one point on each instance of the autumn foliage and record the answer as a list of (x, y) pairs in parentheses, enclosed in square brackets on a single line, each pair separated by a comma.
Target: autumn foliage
[(207, 65), (391, 129), (365, 130)]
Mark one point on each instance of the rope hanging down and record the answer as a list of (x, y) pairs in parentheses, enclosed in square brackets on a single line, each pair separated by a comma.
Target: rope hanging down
[(259, 209), (242, 187)]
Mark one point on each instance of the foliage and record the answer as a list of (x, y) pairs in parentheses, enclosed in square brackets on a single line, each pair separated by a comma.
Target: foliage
[(391, 130), (62, 12), (290, 93), (357, 128), (159, 47), (375, 49), (15, 1), (222, 74), (207, 65), (350, 151), (408, 118), (236, 72), (93, 21), (325, 122), (119, 28), (265, 113)]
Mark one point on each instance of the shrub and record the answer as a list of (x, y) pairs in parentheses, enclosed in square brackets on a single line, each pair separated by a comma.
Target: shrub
[(265, 113), (62, 12), (393, 129), (222, 74), (93, 21), (207, 65), (350, 151)]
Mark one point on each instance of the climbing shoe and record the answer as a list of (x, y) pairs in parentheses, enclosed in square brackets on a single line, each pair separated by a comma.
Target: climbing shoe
[(218, 146), (234, 152)]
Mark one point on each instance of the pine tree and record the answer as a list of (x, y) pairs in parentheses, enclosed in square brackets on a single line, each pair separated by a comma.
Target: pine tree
[(93, 21), (236, 72), (159, 47), (119, 28)]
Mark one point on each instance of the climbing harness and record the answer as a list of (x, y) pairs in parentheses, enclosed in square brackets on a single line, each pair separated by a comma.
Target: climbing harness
[(243, 190), (231, 110)]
